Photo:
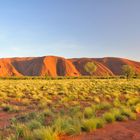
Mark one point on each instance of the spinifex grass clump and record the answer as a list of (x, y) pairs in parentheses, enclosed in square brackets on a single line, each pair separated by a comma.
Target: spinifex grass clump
[(92, 124), (109, 117), (88, 112), (128, 113), (9, 108), (67, 125)]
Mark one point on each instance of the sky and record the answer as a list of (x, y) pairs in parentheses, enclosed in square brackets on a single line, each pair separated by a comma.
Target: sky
[(70, 28)]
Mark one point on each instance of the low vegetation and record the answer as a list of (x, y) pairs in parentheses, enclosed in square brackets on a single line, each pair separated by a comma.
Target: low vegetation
[(47, 109), (90, 67), (128, 71)]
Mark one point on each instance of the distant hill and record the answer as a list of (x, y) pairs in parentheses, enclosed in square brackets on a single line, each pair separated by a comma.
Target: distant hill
[(59, 66)]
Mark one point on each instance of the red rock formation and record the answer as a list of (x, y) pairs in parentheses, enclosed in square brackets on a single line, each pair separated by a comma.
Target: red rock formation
[(54, 66), (101, 69), (115, 64), (37, 66), (59, 66)]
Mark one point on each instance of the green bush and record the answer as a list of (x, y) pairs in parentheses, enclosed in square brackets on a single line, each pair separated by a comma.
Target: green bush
[(61, 124), (89, 124), (74, 127), (92, 124), (109, 117), (103, 106), (100, 122), (34, 125), (44, 134), (88, 112), (117, 114), (128, 113), (9, 108)]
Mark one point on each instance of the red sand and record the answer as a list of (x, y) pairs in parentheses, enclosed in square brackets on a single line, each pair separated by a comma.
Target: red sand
[(5, 119)]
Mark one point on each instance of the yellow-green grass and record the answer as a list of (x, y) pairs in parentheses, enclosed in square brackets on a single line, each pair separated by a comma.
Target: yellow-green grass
[(45, 109)]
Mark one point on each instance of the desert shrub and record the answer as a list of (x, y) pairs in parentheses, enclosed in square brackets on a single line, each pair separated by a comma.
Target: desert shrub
[(13, 121), (19, 130), (15, 109), (117, 103), (45, 134), (43, 104), (27, 117), (48, 112), (133, 101), (100, 122), (109, 117), (32, 115), (88, 124), (41, 118), (74, 127), (61, 124), (108, 97), (128, 71), (92, 124), (34, 124), (79, 115), (90, 67), (128, 113), (120, 117), (102, 106), (6, 107), (27, 134), (23, 118), (132, 116), (67, 125), (74, 110), (88, 112), (9, 108), (117, 114)]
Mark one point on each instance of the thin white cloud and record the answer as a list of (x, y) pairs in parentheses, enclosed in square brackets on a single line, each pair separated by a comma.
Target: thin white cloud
[(16, 49)]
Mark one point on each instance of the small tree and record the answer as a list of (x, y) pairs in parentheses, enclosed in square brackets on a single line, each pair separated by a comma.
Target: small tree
[(90, 67), (128, 71)]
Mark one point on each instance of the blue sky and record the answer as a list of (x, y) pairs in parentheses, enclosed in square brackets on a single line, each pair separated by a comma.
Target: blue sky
[(70, 28)]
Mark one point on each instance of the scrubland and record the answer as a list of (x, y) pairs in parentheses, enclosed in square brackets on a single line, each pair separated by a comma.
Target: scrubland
[(49, 109)]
